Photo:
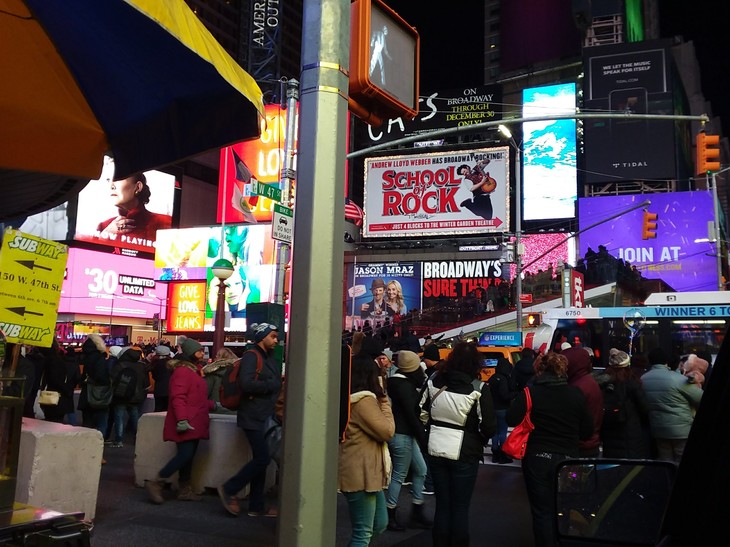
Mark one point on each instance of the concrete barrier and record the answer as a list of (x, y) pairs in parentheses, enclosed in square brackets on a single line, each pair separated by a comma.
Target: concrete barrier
[(59, 467), (216, 460)]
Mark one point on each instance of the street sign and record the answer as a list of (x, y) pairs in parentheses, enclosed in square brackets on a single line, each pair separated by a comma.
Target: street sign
[(266, 190), (31, 274), (282, 224), (526, 298)]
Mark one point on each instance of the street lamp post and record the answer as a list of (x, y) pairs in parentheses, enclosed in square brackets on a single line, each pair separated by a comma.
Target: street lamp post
[(222, 270), (518, 225)]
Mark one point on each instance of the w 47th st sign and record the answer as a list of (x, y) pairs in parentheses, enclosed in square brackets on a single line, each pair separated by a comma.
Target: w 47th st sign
[(266, 190), (31, 274)]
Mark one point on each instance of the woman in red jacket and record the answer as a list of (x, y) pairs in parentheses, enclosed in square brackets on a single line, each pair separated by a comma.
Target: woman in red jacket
[(187, 421)]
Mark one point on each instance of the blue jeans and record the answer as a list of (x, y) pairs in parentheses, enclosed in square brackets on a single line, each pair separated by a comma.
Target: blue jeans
[(368, 516), (453, 483), (96, 419), (501, 435), (253, 473), (182, 461), (119, 419), (405, 453), (538, 470)]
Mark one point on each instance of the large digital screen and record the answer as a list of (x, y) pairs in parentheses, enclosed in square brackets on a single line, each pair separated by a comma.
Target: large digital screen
[(111, 285), (444, 193), (667, 240), (125, 214), (261, 159), (189, 253), (550, 183), (51, 224)]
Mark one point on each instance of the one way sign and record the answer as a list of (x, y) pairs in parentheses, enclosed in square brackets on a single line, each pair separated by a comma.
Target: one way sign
[(282, 223)]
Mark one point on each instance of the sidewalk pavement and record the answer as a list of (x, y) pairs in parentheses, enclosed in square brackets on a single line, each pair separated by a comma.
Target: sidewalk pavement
[(500, 515)]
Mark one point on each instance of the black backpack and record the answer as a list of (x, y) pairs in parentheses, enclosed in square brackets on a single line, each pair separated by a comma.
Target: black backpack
[(125, 385), (614, 403)]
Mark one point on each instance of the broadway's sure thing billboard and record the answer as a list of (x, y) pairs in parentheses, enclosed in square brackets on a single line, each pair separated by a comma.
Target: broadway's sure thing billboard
[(667, 240), (445, 193)]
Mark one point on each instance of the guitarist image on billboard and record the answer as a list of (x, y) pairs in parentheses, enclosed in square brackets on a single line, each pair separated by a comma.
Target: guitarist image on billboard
[(482, 185)]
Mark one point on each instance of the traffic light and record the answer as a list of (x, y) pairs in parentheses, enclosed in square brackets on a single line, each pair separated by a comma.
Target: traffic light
[(707, 153), (648, 225), (533, 319), (384, 63)]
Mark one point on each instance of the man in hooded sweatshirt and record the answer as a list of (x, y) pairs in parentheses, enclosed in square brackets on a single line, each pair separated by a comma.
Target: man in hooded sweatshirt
[(126, 405), (579, 375)]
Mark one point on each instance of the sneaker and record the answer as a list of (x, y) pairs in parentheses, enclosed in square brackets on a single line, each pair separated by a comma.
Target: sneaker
[(271, 513), (117, 444), (230, 503), (428, 491), (108, 442)]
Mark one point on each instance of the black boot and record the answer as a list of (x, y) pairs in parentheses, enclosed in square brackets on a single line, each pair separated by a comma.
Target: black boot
[(418, 517), (393, 523)]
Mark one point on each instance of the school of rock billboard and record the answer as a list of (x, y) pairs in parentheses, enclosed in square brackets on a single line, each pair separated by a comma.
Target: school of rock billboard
[(384, 290), (443, 193), (672, 246)]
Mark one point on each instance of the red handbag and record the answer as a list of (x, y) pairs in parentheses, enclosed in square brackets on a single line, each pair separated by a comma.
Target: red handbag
[(516, 443)]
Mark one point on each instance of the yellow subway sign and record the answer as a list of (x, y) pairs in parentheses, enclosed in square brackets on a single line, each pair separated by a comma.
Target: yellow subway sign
[(31, 274)]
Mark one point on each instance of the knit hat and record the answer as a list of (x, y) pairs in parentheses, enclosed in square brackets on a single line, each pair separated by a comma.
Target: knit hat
[(431, 352), (130, 353), (259, 331), (190, 346), (163, 351), (387, 353), (618, 358), (114, 351), (408, 361), (565, 345)]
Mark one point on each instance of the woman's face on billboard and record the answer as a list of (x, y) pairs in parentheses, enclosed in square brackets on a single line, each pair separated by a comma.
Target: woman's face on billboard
[(124, 192)]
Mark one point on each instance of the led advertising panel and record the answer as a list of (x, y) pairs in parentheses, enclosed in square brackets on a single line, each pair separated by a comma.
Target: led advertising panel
[(51, 224), (261, 159), (186, 306), (125, 214), (444, 193), (666, 241), (111, 285), (629, 79), (549, 171), (189, 253)]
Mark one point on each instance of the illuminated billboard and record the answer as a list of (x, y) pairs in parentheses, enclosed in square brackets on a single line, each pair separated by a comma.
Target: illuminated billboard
[(444, 193), (188, 254), (261, 159), (186, 306), (125, 214), (111, 285), (667, 240), (549, 170)]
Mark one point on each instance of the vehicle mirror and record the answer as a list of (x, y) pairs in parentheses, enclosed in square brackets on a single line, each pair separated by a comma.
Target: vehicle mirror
[(614, 501)]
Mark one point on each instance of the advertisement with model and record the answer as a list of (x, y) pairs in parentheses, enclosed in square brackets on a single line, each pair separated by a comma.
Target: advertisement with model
[(445, 193)]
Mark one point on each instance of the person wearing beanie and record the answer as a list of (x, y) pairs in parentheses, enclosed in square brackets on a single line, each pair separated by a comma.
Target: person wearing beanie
[(625, 410), (186, 423), (405, 452), (191, 350), (260, 380), (431, 358), (579, 375)]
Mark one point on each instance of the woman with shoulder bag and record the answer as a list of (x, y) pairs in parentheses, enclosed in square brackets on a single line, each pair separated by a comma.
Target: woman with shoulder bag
[(459, 414), (561, 418)]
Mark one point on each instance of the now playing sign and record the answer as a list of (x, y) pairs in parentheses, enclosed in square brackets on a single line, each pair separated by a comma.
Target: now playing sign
[(282, 223)]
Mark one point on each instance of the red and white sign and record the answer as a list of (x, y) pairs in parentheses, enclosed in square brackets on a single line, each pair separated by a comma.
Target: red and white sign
[(459, 192), (526, 298), (577, 289), (111, 285)]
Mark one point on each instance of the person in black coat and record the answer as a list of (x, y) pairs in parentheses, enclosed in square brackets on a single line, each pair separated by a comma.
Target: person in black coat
[(500, 385), (561, 418), (60, 376), (96, 371), (524, 370), (161, 375)]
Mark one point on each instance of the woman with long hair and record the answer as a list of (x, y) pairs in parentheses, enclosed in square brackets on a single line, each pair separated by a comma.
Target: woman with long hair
[(459, 413), (561, 418), (394, 301), (364, 460)]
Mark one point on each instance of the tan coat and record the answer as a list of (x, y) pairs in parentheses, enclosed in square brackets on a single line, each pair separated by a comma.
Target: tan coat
[(364, 463)]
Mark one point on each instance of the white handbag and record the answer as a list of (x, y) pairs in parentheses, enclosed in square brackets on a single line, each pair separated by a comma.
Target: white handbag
[(46, 397)]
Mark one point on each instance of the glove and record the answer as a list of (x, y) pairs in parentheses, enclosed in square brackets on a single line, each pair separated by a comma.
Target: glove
[(218, 406), (183, 426)]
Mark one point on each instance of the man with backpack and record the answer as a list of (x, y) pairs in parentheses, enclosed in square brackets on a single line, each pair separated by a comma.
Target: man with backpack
[(259, 378), (129, 382)]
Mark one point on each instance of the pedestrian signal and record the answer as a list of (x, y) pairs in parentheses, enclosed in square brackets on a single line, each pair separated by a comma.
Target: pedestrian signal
[(533, 319)]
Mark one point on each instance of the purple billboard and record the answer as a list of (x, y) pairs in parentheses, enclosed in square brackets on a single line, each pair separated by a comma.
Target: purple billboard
[(666, 240)]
